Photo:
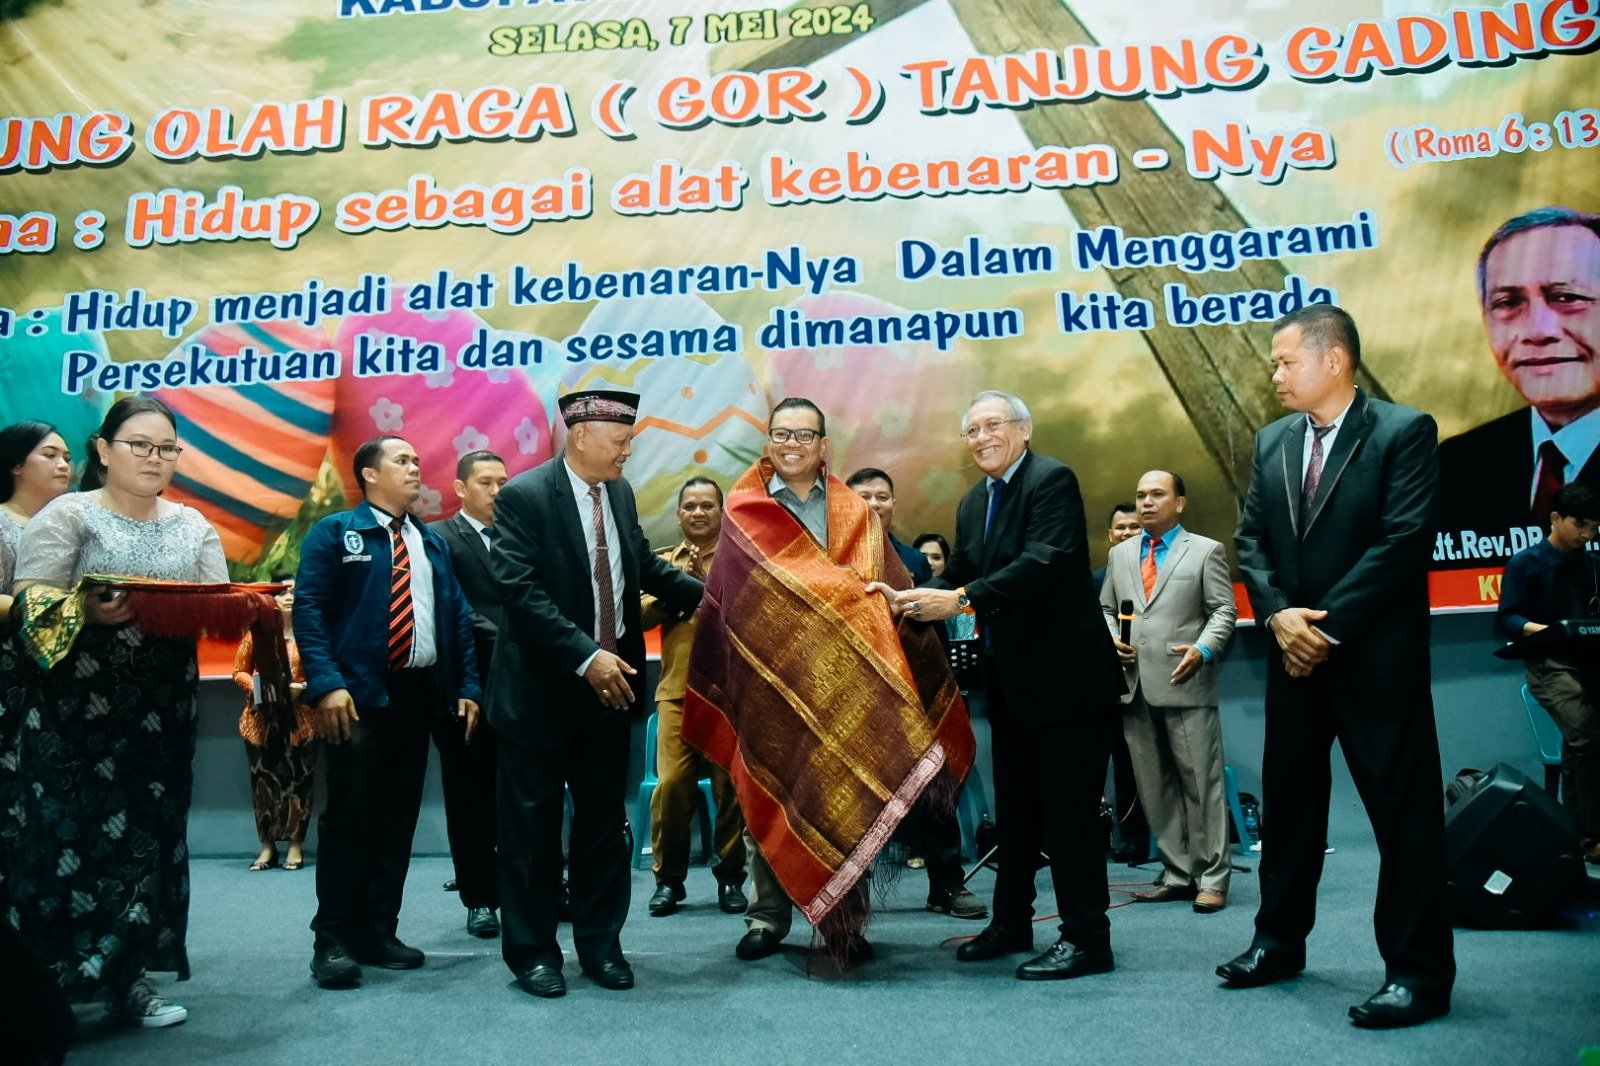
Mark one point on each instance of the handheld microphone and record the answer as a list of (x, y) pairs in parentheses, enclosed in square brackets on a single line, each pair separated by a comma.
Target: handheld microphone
[(1126, 618)]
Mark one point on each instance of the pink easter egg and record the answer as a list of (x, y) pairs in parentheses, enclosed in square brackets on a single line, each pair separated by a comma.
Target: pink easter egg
[(895, 406), (445, 410)]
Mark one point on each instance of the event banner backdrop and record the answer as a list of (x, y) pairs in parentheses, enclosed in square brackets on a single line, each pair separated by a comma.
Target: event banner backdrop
[(306, 222)]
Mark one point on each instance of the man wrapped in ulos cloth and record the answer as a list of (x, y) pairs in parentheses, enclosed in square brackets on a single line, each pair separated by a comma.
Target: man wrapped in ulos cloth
[(831, 721)]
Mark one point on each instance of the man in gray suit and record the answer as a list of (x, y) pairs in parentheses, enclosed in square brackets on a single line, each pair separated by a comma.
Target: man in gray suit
[(1184, 610)]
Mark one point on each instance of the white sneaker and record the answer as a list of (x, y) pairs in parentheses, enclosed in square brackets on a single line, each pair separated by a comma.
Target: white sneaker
[(141, 1006)]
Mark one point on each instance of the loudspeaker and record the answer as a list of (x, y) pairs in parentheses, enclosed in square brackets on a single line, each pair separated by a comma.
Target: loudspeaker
[(1511, 854)]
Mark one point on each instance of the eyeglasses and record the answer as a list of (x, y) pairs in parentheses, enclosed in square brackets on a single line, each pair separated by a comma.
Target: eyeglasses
[(142, 449), (799, 436), (990, 427)]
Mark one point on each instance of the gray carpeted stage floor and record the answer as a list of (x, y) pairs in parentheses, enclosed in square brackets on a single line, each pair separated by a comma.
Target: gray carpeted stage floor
[(1522, 997)]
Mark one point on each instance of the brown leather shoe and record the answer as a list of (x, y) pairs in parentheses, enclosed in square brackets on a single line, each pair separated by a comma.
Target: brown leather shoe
[(1206, 902), (1166, 894)]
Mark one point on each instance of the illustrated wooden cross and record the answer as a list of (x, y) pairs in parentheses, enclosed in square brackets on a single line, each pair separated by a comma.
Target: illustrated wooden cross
[(1222, 379)]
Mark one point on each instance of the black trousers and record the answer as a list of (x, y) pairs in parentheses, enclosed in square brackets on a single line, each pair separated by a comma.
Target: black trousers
[(374, 789), (1125, 803), (1391, 746), (467, 773), (1047, 785), (590, 761), (936, 836)]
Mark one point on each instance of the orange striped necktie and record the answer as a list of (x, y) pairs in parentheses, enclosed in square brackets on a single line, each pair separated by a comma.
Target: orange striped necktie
[(1147, 568), (402, 625)]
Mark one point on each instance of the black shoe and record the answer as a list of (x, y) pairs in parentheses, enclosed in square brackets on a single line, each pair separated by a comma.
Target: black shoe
[(614, 974), (332, 967), (995, 941), (666, 899), (731, 899), (481, 922), (450, 885), (389, 954), (545, 982), (758, 943), (1396, 1006), (1262, 966), (1062, 960)]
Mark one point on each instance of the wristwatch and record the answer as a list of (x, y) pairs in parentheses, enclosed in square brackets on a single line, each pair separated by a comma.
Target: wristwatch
[(961, 598)]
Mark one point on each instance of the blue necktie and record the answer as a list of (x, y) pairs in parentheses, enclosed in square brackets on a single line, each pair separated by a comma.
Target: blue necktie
[(995, 490)]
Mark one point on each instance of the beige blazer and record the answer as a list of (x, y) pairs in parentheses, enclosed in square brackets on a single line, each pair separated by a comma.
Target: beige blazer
[(1192, 604)]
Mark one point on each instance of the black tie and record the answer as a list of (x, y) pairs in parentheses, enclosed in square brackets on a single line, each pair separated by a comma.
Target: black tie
[(995, 491)]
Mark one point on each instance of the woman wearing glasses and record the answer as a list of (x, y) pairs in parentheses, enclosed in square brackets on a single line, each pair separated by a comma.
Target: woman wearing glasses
[(97, 863)]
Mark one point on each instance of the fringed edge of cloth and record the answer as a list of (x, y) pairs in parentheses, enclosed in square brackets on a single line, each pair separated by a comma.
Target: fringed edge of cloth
[(840, 912), (219, 609)]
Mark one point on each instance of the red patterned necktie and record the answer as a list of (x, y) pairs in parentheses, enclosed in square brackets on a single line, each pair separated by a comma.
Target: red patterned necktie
[(1552, 472), (1147, 569), (402, 625), (602, 575), (1308, 495)]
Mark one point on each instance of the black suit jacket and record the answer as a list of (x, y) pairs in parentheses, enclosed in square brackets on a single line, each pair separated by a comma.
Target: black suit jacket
[(1364, 552), (1029, 584), (470, 557), (536, 696), (1485, 483)]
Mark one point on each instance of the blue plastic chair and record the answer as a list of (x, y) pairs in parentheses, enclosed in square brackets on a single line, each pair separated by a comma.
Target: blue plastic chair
[(1230, 784), (1230, 787), (706, 816), (1547, 738)]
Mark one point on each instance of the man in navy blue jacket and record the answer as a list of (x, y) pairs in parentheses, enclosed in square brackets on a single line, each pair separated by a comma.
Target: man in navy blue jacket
[(385, 639)]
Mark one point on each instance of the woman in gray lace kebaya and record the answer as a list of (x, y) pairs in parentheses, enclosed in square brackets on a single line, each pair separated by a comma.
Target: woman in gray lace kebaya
[(97, 854)]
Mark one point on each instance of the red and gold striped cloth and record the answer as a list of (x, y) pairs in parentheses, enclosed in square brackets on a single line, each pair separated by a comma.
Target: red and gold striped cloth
[(831, 720)]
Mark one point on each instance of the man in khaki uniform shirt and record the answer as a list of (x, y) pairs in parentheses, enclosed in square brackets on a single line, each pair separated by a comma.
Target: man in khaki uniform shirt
[(678, 766)]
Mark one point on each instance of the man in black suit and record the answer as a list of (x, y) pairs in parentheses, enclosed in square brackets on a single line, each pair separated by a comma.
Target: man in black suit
[(571, 561), (1021, 561), (467, 770), (1333, 544), (1539, 289)]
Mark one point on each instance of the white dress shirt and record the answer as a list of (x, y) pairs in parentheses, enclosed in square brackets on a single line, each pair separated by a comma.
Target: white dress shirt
[(580, 492), (1577, 440), (424, 642), (1327, 440), (483, 530)]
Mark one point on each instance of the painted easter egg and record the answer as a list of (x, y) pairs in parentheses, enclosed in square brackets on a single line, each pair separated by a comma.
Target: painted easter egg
[(415, 374), (31, 365), (893, 406), (251, 453), (699, 415)]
